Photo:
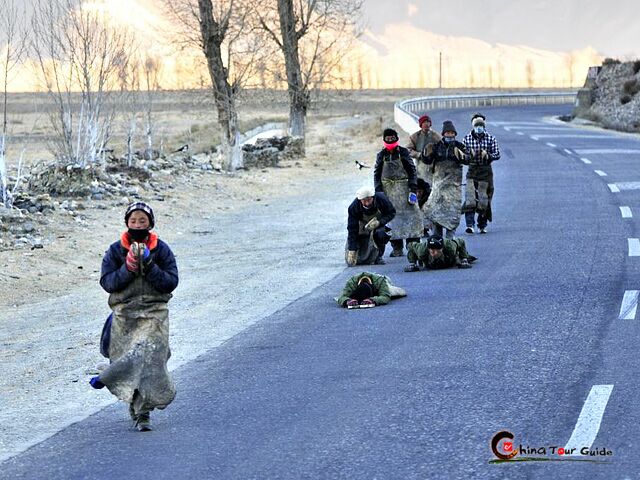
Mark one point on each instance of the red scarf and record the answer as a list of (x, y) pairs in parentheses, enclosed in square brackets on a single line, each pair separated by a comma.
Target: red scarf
[(151, 242)]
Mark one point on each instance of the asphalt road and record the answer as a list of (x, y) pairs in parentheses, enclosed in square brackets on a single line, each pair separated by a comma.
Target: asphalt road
[(417, 389)]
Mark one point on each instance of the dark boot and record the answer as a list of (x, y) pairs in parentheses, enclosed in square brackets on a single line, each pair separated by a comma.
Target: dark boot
[(143, 423), (397, 248)]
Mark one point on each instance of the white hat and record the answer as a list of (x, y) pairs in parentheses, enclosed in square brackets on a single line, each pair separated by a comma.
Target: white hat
[(365, 192)]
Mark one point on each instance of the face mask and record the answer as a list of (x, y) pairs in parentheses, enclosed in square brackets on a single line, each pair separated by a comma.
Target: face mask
[(449, 139), (479, 130), (138, 234), (390, 146)]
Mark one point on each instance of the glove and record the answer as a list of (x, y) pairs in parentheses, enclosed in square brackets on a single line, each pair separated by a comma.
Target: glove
[(464, 264), (367, 301), (351, 302), (428, 150), (132, 258), (413, 199), (144, 254), (458, 153), (352, 258), (96, 383), (484, 156), (373, 224)]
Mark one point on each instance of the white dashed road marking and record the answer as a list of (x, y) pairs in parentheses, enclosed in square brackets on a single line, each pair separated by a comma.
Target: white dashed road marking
[(613, 187), (539, 127), (519, 133), (628, 185), (626, 212), (586, 160), (518, 123), (601, 173), (570, 136), (552, 145), (588, 424), (620, 151), (568, 151), (629, 305), (634, 247)]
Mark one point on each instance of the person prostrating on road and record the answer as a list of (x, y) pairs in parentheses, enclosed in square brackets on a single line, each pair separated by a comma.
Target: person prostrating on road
[(438, 253), (368, 289)]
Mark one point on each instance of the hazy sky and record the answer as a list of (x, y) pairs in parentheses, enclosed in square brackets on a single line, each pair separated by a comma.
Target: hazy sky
[(611, 27)]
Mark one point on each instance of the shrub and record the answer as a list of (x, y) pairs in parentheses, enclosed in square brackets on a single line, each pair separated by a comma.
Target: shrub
[(624, 99), (611, 61), (636, 67)]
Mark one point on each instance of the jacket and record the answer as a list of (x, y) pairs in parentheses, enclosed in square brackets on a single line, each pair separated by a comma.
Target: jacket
[(162, 273), (401, 154), (380, 283), (381, 203)]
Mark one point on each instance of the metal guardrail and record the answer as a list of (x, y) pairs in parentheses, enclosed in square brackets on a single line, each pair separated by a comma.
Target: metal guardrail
[(407, 112)]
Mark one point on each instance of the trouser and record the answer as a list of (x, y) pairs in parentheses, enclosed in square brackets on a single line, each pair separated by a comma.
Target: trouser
[(470, 219), (443, 232), (397, 244), (381, 238)]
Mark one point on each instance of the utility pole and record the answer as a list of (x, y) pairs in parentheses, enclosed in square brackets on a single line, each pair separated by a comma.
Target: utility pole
[(440, 76)]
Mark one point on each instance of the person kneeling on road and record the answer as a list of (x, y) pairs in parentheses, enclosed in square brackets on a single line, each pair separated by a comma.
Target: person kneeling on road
[(368, 290), (438, 253), (367, 227)]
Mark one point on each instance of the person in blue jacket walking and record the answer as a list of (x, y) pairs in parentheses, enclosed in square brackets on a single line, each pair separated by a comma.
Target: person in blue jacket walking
[(139, 272)]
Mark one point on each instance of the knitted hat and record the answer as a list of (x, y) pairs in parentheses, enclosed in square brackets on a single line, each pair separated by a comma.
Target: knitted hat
[(142, 207), (365, 192), (424, 118), (448, 126), (435, 241), (389, 132)]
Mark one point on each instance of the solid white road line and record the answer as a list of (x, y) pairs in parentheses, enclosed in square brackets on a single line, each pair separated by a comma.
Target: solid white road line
[(629, 305), (586, 160), (601, 173), (588, 424), (568, 151), (590, 151), (613, 187), (626, 212), (552, 145), (634, 247)]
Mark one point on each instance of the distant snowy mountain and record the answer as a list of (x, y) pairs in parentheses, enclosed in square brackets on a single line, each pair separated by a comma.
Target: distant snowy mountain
[(404, 56)]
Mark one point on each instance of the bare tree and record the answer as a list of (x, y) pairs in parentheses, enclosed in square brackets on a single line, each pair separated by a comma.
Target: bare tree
[(232, 53), (313, 36), (151, 72), (13, 41), (130, 102), (80, 53)]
